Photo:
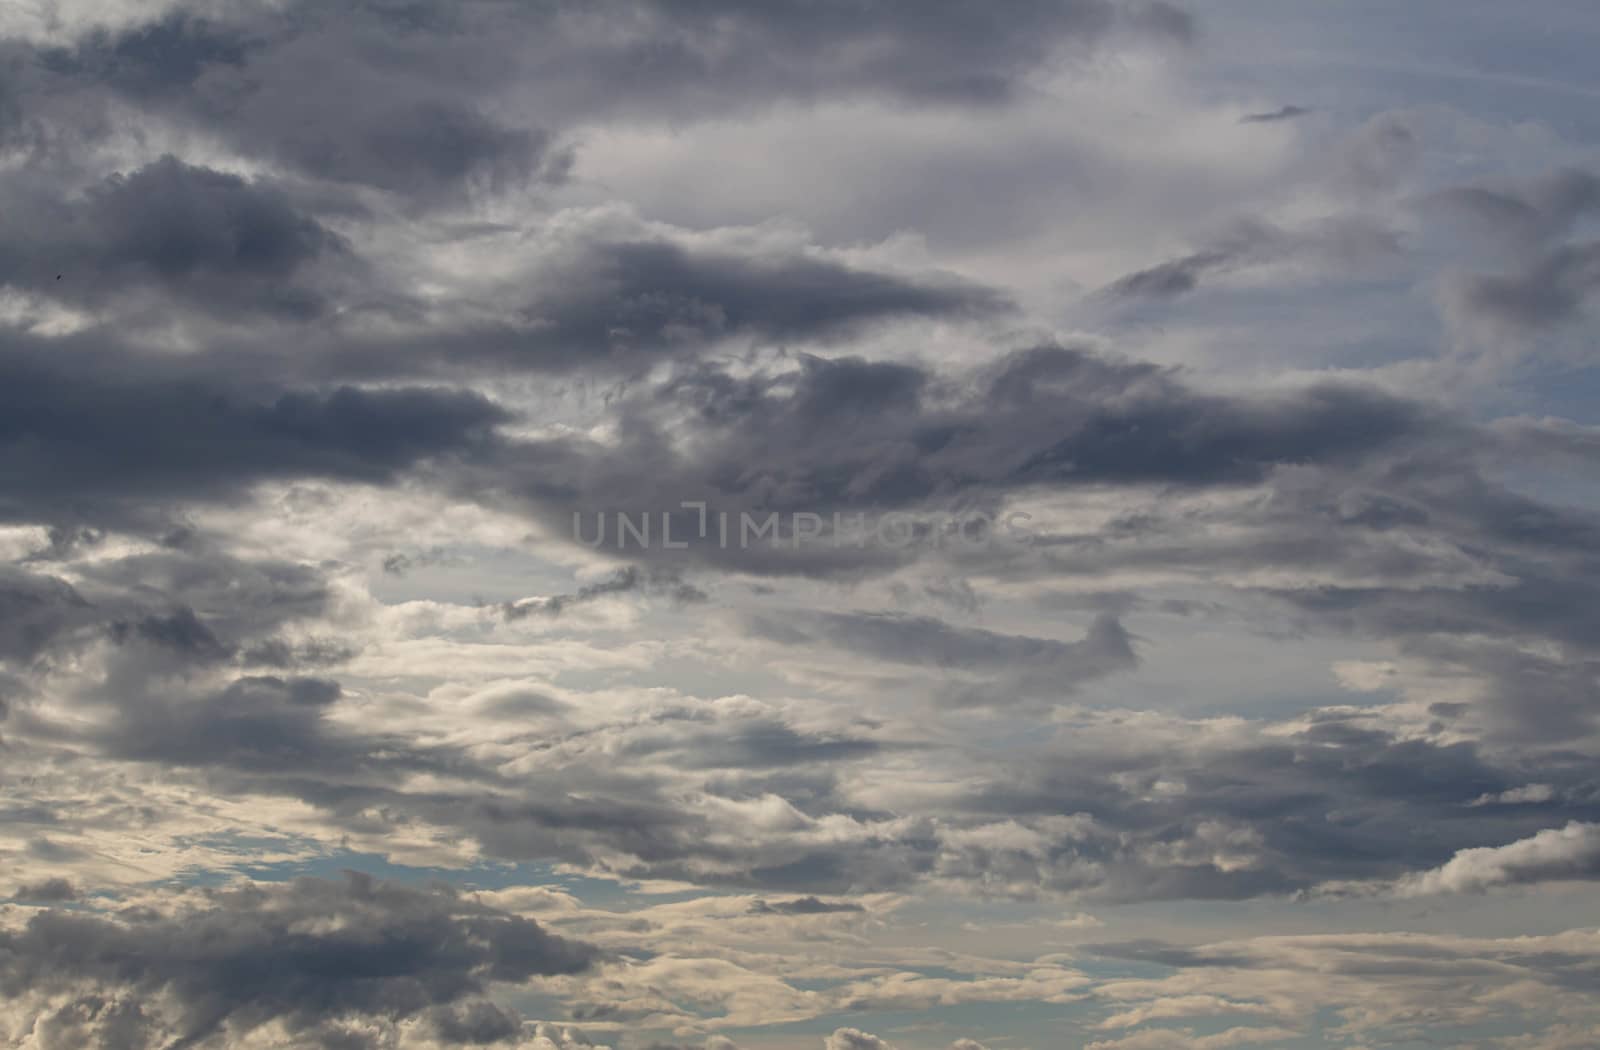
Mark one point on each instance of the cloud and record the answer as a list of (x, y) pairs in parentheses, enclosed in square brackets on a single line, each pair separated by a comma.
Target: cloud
[(760, 795), (1343, 244), (120, 447), (306, 957), (213, 240), (853, 1039), (1571, 852), (1545, 291), (254, 77), (37, 610), (1528, 793), (626, 580), (1544, 279), (1169, 279), (564, 1037), (612, 295), (1286, 112), (1521, 214), (358, 306), (847, 435), (420, 101), (804, 906), (641, 293), (1378, 982), (1169, 1039), (1031, 665), (262, 722), (49, 891)]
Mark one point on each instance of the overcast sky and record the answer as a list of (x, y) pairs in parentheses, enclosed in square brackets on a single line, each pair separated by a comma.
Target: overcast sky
[(799, 524)]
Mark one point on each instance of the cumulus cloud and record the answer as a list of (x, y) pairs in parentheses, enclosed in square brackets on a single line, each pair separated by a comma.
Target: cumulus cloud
[(1570, 852), (853, 1039)]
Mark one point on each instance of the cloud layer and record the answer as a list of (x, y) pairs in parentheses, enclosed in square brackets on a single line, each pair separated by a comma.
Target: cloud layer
[(652, 524)]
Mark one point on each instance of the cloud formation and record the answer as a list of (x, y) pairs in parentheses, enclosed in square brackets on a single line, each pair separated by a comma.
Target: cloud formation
[(316, 960), (744, 521)]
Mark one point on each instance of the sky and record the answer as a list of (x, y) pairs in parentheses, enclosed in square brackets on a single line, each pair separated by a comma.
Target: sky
[(799, 525)]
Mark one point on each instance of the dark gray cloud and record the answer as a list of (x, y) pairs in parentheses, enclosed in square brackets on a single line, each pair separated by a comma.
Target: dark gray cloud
[(323, 959), (1006, 665), (86, 438), (153, 58), (238, 600), (364, 95), (1170, 279), (35, 612), (1287, 112), (213, 240), (626, 580), (1548, 290), (603, 306), (804, 906), (267, 723), (846, 435), (425, 99), (192, 614), (616, 306), (476, 1023), (1257, 814), (180, 630), (1523, 213), (1345, 245), (638, 293), (759, 746), (951, 50), (1378, 156), (47, 891), (1544, 279)]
